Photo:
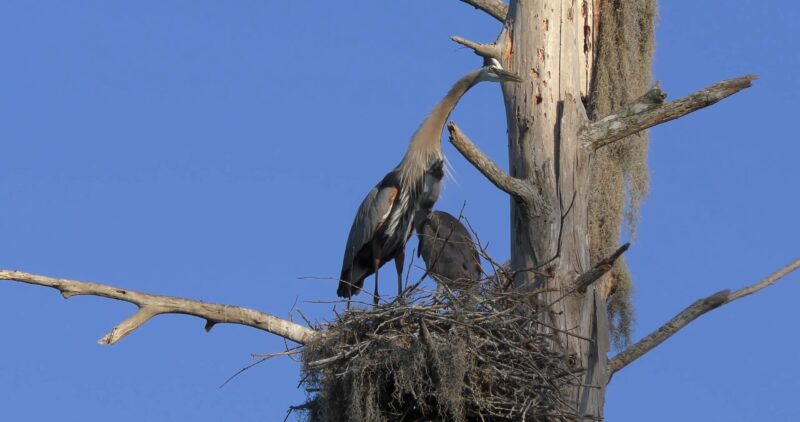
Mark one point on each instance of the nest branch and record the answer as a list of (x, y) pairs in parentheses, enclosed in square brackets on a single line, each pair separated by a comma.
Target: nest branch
[(151, 305), (650, 110), (691, 313)]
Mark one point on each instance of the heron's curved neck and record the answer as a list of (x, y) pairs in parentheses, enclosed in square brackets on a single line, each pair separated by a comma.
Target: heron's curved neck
[(430, 131)]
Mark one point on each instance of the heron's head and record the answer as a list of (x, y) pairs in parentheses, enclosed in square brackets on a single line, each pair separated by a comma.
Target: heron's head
[(436, 170), (492, 71)]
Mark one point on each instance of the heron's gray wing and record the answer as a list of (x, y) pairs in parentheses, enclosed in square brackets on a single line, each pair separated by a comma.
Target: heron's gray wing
[(370, 217)]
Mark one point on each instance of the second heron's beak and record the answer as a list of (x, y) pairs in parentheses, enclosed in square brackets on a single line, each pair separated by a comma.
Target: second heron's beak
[(507, 76)]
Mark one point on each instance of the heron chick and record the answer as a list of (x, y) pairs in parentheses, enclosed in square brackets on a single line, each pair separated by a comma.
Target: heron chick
[(384, 220), (450, 255)]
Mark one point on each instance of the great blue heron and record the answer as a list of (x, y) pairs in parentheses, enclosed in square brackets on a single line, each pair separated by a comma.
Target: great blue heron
[(384, 220), (446, 246)]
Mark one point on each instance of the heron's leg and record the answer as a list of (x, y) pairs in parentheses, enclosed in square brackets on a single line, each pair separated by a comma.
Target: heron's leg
[(399, 259), (376, 259), (375, 296)]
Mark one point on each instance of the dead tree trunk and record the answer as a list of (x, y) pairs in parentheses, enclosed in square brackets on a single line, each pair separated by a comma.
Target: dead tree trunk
[(552, 154), (549, 44), (547, 47)]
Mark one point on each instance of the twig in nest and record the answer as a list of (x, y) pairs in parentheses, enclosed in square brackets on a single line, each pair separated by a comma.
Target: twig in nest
[(263, 357)]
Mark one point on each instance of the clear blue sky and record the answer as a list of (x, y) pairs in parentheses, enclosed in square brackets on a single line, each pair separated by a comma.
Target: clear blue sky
[(218, 151)]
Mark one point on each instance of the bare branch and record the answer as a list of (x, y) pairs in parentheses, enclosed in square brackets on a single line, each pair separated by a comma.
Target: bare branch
[(486, 166), (746, 291), (152, 305), (689, 314), (649, 111), (484, 50), (496, 8)]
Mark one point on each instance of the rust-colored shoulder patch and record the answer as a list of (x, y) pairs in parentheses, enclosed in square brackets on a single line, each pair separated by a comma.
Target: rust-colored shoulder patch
[(392, 195)]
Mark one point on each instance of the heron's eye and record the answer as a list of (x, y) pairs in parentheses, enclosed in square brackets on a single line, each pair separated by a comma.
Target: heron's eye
[(495, 63)]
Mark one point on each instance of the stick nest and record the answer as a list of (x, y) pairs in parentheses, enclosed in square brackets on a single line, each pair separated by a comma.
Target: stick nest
[(453, 359)]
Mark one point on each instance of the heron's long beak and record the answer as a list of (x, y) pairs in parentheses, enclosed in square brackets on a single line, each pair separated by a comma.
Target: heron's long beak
[(507, 76)]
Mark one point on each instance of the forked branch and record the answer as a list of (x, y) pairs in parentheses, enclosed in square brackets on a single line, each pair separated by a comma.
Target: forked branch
[(650, 110), (690, 314), (486, 166), (152, 305), (496, 8)]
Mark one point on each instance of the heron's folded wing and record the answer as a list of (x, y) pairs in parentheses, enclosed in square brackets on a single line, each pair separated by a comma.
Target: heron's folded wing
[(370, 217)]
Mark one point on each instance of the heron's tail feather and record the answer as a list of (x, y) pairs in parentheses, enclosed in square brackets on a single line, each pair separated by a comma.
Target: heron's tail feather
[(352, 280)]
